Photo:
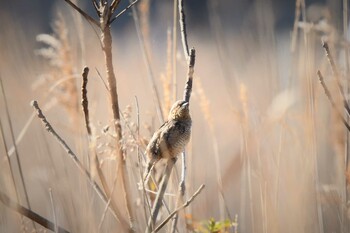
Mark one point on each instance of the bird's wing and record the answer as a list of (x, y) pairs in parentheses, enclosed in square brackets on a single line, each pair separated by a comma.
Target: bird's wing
[(154, 144)]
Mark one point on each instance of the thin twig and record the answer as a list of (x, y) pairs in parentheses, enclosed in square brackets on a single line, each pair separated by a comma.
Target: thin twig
[(336, 75), (123, 11), (83, 13), (75, 159), (53, 211), (187, 203), (84, 101), (25, 128), (103, 81), (183, 30), (29, 214), (331, 100)]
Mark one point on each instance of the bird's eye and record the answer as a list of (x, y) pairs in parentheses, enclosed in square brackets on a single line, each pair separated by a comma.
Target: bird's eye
[(183, 104)]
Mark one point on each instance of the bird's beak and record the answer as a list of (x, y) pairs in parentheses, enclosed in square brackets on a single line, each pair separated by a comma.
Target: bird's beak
[(185, 105)]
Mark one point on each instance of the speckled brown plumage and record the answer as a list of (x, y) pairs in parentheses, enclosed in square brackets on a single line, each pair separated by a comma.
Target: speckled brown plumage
[(172, 137)]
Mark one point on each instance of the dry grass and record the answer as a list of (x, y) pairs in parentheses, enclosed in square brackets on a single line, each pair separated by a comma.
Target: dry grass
[(270, 148)]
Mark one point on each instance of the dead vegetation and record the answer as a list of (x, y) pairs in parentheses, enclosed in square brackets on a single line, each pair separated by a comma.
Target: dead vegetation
[(270, 109)]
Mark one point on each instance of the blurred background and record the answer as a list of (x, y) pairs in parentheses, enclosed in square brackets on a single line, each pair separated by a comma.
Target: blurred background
[(266, 142)]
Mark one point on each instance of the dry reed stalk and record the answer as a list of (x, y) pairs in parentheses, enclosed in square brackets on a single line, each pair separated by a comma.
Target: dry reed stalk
[(144, 9), (160, 195), (311, 127), (29, 214), (187, 203), (205, 108), (146, 58), (54, 216), (300, 9), (144, 195), (13, 180), (295, 25), (346, 190), (243, 97), (19, 164), (109, 202), (106, 41), (181, 193), (222, 49)]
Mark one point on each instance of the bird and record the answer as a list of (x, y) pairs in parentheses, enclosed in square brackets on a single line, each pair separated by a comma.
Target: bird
[(172, 137)]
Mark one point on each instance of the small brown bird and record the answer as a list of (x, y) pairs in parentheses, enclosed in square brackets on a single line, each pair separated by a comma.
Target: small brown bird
[(172, 137)]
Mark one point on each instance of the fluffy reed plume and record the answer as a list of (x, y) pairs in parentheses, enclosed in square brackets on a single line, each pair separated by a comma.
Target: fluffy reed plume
[(61, 78)]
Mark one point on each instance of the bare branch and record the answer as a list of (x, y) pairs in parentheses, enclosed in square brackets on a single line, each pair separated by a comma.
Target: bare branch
[(77, 162), (83, 13), (29, 214), (331, 100), (187, 203), (123, 11)]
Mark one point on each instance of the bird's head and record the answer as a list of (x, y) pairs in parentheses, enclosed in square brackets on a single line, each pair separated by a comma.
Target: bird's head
[(179, 111)]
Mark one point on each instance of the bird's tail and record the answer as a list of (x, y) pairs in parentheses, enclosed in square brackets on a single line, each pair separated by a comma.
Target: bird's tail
[(147, 174)]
